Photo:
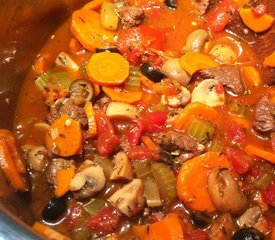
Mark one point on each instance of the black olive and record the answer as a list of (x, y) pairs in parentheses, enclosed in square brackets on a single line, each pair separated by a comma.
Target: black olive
[(249, 233), (111, 49), (200, 219), (81, 91), (171, 3), (150, 72), (55, 208)]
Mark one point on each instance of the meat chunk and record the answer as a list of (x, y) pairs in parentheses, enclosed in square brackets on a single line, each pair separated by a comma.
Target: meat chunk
[(130, 16), (222, 227), (66, 106), (264, 118), (227, 75)]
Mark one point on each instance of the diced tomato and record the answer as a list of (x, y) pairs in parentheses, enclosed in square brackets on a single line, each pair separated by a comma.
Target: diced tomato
[(239, 159), (272, 142), (269, 195), (74, 216), (153, 121), (219, 88), (140, 153), (236, 133), (134, 132), (106, 221), (198, 234), (260, 10), (219, 18)]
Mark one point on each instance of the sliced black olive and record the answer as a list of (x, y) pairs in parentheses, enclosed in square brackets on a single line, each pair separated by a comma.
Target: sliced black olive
[(111, 49), (55, 208), (200, 219), (249, 233), (171, 3), (81, 91), (150, 72)]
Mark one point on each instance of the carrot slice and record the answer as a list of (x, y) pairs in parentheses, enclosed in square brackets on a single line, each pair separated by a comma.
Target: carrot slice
[(63, 180), (9, 168), (117, 94), (148, 142), (261, 152), (64, 136), (95, 4), (192, 180), (108, 68), (96, 89), (251, 76), (88, 108), (87, 30), (194, 109), (48, 232), (257, 24), (269, 61)]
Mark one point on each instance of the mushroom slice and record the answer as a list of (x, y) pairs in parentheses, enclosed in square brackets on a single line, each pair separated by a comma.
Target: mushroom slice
[(122, 169), (250, 217), (91, 176), (64, 60), (121, 110), (181, 99), (129, 199), (209, 92), (195, 41)]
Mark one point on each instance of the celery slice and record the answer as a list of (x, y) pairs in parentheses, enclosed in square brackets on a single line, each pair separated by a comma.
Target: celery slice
[(94, 206), (42, 81), (61, 78), (108, 16), (215, 146), (151, 193), (142, 169), (106, 164), (133, 82), (238, 108)]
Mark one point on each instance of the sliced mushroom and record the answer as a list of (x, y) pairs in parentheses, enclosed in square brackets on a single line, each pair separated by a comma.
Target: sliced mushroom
[(225, 192), (181, 99), (123, 168), (195, 41), (129, 199), (222, 227), (171, 69), (89, 180), (250, 217), (121, 110), (64, 60), (209, 92)]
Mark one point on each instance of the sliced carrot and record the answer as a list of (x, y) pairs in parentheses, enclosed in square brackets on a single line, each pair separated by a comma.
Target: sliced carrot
[(257, 24), (148, 142), (64, 136), (192, 61), (95, 4), (241, 3), (107, 68), (192, 180), (96, 89), (251, 76), (48, 232), (88, 108), (269, 61), (75, 45), (118, 94), (18, 161), (261, 152), (273, 232), (242, 121), (63, 180), (87, 30), (147, 83), (42, 63), (9, 168), (194, 109), (140, 231)]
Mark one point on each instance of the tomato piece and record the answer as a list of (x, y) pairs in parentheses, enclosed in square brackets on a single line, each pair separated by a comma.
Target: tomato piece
[(134, 132), (140, 153), (269, 195), (219, 18), (106, 221), (153, 121), (74, 216), (260, 10), (236, 133), (197, 234)]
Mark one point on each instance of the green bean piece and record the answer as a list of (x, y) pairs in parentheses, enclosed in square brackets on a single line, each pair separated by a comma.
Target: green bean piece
[(215, 146), (142, 169), (94, 206), (151, 193), (238, 108)]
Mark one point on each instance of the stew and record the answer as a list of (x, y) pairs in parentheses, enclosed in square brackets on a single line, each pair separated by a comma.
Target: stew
[(149, 120)]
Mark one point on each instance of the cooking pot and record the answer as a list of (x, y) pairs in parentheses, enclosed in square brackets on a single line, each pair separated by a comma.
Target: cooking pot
[(25, 26)]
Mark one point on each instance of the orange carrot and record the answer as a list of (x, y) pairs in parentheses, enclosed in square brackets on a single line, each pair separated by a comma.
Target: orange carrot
[(95, 4), (63, 180), (140, 231), (9, 168), (42, 63), (147, 83), (192, 61), (261, 152), (194, 109), (273, 232), (48, 232), (96, 89), (269, 61), (87, 30), (251, 76), (75, 45), (88, 108), (257, 24), (242, 121), (64, 136), (192, 180), (241, 3), (148, 142), (107, 68), (118, 94)]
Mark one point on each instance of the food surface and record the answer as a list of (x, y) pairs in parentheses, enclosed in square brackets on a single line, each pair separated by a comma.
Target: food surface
[(150, 120)]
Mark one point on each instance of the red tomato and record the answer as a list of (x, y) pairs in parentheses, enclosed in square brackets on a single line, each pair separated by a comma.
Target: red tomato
[(74, 216), (236, 133), (134, 132), (198, 234), (260, 10), (106, 221), (269, 195), (153, 121), (140, 153)]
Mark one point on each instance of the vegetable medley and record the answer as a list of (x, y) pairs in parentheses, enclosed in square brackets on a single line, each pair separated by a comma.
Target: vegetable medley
[(150, 120)]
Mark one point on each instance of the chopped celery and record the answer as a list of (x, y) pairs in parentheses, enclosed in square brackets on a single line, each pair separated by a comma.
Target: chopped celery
[(132, 83), (151, 193), (106, 164), (215, 146), (81, 233), (108, 16), (142, 169), (157, 107), (94, 206), (264, 180), (200, 130), (61, 78), (42, 81), (165, 180), (238, 108)]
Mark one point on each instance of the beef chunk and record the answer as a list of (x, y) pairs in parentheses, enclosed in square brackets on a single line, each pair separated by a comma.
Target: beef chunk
[(66, 106), (130, 16), (264, 118), (229, 76)]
